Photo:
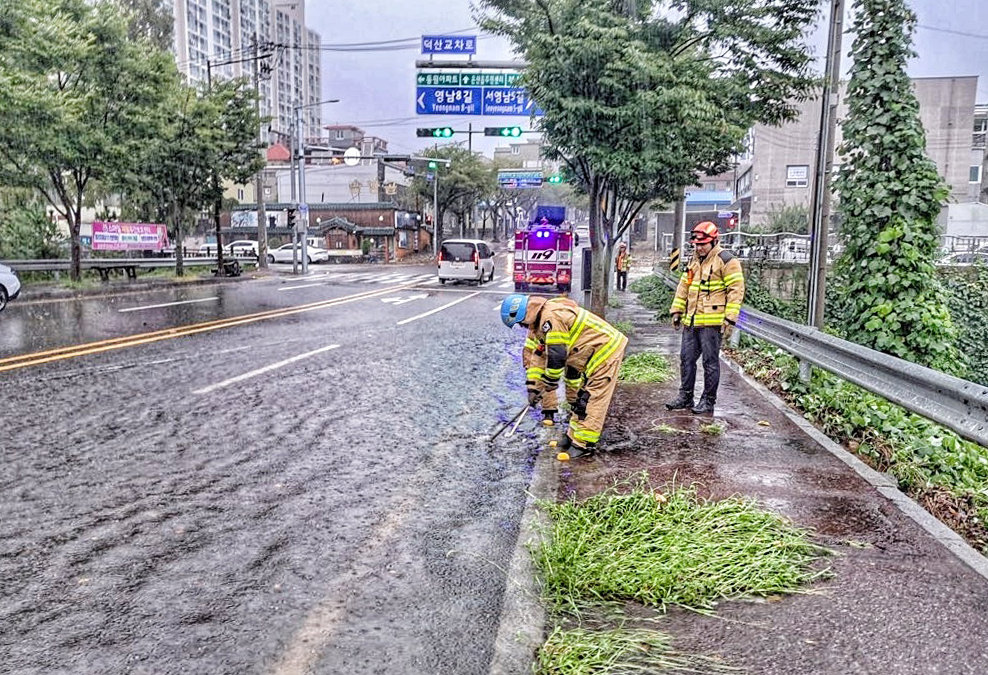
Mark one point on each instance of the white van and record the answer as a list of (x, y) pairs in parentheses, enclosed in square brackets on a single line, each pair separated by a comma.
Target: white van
[(468, 259)]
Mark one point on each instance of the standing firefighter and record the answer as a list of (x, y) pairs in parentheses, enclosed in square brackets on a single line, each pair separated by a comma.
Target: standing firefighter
[(533, 359), (578, 344), (622, 263), (708, 300)]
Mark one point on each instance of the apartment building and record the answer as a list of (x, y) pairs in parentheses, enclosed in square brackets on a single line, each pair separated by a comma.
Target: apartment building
[(779, 168), (217, 38)]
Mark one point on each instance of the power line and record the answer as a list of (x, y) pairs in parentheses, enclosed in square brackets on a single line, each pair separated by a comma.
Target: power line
[(952, 32)]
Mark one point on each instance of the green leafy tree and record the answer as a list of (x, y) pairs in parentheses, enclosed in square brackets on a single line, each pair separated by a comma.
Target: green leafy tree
[(890, 197), (640, 97), (791, 218), (150, 20), (206, 133), (462, 183), (79, 101), (28, 233)]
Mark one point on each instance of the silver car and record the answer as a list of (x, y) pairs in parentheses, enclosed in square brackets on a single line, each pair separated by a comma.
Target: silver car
[(10, 285)]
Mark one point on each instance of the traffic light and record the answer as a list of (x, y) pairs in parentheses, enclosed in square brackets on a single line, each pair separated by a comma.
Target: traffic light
[(555, 178), (506, 132), (732, 222), (291, 218), (433, 166), (434, 132)]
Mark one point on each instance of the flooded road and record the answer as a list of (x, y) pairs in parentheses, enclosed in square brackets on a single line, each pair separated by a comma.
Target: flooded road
[(310, 492)]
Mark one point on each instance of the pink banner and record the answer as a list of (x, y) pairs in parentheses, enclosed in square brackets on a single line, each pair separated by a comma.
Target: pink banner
[(129, 236)]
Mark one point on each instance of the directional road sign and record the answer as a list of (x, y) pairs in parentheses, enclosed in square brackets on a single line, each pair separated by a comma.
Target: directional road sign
[(473, 101), (449, 44), (519, 179)]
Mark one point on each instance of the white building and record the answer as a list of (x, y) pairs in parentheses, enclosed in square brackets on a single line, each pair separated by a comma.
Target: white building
[(217, 38)]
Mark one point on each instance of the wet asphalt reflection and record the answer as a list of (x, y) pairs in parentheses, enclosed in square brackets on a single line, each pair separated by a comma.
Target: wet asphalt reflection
[(342, 513)]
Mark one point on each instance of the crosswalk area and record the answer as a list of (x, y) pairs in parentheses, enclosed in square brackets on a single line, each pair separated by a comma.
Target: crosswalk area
[(393, 278)]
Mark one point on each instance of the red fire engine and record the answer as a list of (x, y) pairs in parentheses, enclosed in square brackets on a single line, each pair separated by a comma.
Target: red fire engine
[(544, 251)]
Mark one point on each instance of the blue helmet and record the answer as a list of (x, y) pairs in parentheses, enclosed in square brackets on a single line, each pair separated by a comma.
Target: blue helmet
[(513, 309)]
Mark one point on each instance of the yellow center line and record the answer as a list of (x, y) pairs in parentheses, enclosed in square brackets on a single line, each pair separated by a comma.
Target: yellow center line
[(39, 358)]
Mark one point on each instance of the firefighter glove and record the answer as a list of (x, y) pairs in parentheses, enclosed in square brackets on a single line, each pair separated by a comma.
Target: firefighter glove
[(727, 328), (677, 320), (533, 397)]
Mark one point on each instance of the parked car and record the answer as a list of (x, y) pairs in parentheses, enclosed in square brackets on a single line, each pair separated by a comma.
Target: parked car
[(244, 247), (284, 254), (467, 259), (206, 251), (10, 285)]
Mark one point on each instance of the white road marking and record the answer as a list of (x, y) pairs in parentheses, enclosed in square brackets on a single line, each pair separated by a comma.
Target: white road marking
[(261, 371), (292, 288), (166, 304), (437, 309), (401, 301)]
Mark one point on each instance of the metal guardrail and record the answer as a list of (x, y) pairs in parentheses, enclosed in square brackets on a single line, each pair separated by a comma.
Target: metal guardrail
[(957, 404)]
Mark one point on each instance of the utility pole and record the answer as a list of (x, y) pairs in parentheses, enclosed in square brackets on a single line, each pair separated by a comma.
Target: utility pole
[(820, 215), (262, 218), (303, 213), (218, 200)]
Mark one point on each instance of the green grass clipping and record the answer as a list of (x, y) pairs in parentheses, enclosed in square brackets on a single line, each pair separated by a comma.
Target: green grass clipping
[(644, 367), (632, 542)]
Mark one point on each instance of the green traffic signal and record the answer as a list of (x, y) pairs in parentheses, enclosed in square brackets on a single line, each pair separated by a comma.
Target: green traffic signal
[(506, 132), (433, 166), (555, 178), (434, 132)]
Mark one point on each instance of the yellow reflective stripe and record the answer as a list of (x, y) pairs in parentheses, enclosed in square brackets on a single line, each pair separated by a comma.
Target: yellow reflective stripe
[(679, 303), (531, 344), (574, 383), (708, 320), (733, 307), (577, 329), (602, 355), (553, 373), (732, 279), (556, 338), (585, 435), (534, 373)]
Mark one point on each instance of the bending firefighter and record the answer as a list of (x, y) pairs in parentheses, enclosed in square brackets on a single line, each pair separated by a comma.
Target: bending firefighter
[(581, 346), (708, 300), (533, 359)]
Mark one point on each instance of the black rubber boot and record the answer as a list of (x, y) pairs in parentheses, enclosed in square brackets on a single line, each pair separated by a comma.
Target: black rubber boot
[(704, 407), (548, 417), (577, 451), (681, 402)]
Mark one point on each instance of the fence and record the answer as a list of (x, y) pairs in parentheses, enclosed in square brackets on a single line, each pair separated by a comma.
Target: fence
[(957, 404)]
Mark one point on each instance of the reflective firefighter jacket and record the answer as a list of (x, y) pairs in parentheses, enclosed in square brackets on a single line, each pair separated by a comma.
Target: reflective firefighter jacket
[(574, 338), (623, 262), (533, 356), (710, 290)]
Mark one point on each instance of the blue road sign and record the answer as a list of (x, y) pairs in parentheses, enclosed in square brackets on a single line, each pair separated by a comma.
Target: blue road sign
[(519, 179), (448, 100), (449, 44), (510, 101)]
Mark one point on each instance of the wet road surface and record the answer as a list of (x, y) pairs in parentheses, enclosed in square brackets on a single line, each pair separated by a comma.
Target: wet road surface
[(305, 493)]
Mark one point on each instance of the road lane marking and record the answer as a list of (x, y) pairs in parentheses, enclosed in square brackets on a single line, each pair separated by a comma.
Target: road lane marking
[(292, 288), (60, 353), (261, 371), (437, 309), (166, 304), (398, 300)]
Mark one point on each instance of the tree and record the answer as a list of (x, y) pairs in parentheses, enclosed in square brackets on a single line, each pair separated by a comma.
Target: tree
[(79, 100), (208, 132), (149, 20), (638, 100), (462, 183), (890, 198)]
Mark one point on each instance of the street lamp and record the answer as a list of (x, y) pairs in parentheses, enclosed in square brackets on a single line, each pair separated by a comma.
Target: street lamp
[(303, 206)]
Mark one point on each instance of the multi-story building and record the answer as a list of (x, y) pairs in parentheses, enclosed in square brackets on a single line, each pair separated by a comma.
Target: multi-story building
[(218, 38), (779, 171)]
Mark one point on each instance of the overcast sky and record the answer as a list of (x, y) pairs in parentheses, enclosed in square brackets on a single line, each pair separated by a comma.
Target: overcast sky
[(376, 87)]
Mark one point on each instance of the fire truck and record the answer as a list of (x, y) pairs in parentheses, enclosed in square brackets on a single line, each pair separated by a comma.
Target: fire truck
[(544, 252)]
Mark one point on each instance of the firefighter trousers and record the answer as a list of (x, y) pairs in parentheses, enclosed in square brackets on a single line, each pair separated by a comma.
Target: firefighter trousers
[(700, 341), (599, 387)]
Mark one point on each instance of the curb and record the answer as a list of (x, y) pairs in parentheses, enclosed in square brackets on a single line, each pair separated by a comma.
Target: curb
[(521, 626), (886, 486)]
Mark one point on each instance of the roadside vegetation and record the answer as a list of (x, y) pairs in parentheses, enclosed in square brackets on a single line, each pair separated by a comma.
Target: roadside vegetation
[(644, 367), (660, 549)]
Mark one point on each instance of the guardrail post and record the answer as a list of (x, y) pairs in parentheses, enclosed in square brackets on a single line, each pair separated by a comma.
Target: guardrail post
[(805, 371)]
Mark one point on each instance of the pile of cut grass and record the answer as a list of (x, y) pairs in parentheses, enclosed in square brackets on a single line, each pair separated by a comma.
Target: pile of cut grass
[(583, 652), (632, 542), (644, 367)]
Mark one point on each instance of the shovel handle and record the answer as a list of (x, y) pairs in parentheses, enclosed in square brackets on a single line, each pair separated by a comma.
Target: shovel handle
[(514, 420)]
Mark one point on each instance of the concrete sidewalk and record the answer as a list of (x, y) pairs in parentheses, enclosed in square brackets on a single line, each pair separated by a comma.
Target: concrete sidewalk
[(907, 595)]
